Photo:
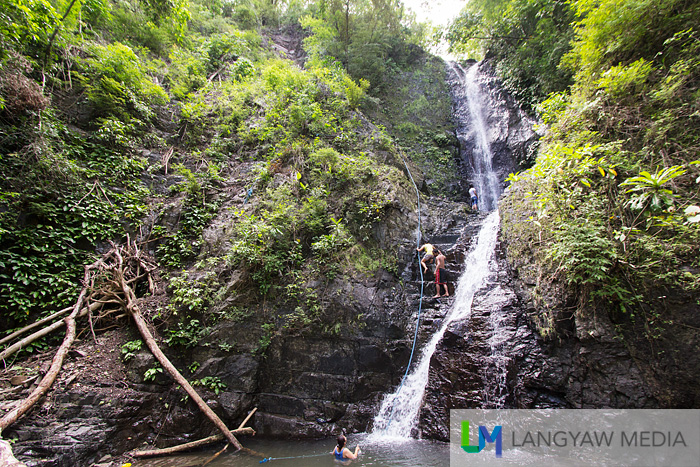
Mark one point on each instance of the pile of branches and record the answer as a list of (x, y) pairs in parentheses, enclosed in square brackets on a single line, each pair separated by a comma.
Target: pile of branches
[(108, 292)]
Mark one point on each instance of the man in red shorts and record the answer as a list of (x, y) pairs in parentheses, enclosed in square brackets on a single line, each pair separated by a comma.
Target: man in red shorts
[(440, 276)]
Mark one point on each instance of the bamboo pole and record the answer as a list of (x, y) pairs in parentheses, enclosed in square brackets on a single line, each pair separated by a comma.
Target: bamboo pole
[(56, 364), (42, 332), (191, 445)]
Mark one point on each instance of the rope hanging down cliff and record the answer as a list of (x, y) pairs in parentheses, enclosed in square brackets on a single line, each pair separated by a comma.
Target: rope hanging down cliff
[(420, 269)]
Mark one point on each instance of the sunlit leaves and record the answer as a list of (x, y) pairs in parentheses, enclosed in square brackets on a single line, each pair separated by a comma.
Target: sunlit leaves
[(650, 190), (625, 80), (26, 21), (117, 83)]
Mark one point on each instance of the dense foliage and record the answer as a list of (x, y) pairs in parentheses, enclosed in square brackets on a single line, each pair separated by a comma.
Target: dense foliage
[(525, 38), (113, 115), (614, 191)]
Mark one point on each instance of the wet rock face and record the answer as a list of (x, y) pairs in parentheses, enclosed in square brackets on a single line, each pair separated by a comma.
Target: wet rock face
[(491, 360), (509, 130), (317, 385)]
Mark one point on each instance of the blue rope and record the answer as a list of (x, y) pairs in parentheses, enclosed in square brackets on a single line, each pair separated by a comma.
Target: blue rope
[(268, 459), (420, 302)]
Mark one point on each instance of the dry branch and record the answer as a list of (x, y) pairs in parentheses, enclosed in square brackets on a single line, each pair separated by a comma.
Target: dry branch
[(42, 332), (228, 444), (191, 445), (165, 158), (133, 309), (247, 418), (118, 270), (34, 325), (57, 362)]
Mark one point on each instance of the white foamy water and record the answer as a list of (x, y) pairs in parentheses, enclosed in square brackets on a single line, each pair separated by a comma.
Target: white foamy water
[(398, 414), (399, 411), (471, 102)]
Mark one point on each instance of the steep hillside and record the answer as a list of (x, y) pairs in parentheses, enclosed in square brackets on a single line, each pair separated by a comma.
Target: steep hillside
[(267, 185)]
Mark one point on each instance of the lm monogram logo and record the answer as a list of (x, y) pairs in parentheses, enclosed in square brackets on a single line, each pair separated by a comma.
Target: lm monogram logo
[(484, 437)]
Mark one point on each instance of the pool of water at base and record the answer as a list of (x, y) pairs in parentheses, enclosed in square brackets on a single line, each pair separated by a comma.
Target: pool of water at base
[(377, 452)]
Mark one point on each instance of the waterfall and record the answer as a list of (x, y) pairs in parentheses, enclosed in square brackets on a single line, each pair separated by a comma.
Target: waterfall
[(472, 132), (398, 414)]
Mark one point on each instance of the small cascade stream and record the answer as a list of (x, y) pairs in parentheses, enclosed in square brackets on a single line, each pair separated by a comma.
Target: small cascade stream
[(399, 412), (472, 130)]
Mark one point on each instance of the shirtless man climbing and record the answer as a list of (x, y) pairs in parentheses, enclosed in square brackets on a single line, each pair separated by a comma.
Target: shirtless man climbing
[(440, 274)]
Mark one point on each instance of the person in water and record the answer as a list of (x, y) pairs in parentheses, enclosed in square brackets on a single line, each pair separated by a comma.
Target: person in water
[(428, 257), (342, 453), (440, 276)]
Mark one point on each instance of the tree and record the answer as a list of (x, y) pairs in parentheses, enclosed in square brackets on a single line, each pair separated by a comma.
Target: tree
[(525, 38)]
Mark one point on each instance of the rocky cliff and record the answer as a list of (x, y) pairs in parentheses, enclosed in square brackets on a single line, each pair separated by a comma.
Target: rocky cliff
[(522, 347)]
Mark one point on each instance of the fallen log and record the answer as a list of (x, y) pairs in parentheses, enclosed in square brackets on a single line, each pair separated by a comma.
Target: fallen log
[(191, 445), (133, 309), (57, 362), (34, 325), (43, 332)]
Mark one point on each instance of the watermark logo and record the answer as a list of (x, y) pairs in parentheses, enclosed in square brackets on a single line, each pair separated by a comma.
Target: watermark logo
[(632, 437), (484, 437)]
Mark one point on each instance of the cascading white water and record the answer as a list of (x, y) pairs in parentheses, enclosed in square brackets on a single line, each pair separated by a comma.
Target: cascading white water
[(469, 108), (495, 368), (398, 414)]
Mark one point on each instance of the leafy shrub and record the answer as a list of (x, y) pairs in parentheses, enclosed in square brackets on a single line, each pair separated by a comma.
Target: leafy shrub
[(116, 82), (242, 69), (193, 295), (213, 383), (152, 373), (187, 72), (130, 348), (186, 334)]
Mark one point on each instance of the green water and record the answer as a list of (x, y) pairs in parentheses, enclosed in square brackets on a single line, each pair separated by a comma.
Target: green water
[(317, 453)]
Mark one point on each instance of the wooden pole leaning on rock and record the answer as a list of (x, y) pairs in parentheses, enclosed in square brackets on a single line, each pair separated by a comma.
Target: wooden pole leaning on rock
[(228, 444), (131, 306), (241, 430), (191, 445)]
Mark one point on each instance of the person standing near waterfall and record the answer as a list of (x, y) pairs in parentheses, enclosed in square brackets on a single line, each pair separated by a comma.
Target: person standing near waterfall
[(475, 199), (342, 453), (440, 276)]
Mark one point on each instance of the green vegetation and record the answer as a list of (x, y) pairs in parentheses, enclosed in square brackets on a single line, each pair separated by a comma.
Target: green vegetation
[(614, 191), (130, 348), (213, 383), (526, 39), (142, 118)]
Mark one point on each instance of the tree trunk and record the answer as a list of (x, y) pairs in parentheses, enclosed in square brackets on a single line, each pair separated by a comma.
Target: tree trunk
[(56, 364), (135, 313)]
